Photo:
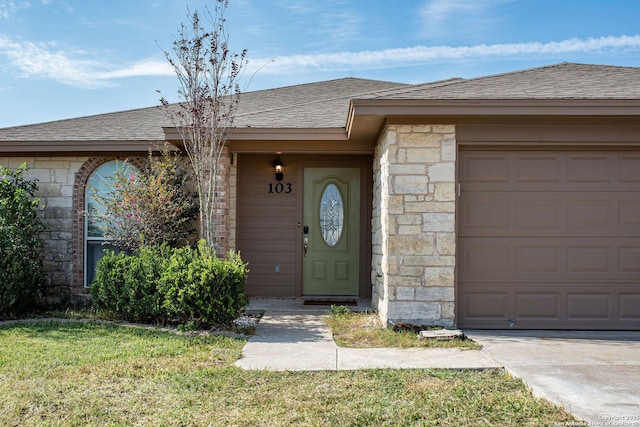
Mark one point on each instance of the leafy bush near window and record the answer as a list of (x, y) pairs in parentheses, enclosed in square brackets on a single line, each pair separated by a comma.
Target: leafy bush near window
[(127, 284), (162, 284), (20, 247), (147, 207)]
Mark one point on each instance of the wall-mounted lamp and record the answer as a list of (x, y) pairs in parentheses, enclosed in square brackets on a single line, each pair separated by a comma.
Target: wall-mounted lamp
[(279, 169)]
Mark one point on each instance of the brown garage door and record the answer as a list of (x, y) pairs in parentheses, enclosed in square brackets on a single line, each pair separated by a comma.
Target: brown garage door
[(549, 239)]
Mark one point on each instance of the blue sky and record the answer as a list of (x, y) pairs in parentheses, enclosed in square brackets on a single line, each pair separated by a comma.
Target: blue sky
[(69, 58)]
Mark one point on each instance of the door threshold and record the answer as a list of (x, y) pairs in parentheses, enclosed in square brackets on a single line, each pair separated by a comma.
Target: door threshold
[(330, 301)]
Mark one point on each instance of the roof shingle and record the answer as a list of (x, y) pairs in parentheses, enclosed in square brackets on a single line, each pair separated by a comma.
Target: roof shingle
[(325, 104), (313, 105), (560, 81)]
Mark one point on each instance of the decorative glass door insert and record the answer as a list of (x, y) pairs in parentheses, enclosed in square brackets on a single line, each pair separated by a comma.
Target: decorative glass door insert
[(331, 215)]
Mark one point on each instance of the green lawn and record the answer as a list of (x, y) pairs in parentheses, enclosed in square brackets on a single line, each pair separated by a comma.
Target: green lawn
[(92, 373), (365, 330)]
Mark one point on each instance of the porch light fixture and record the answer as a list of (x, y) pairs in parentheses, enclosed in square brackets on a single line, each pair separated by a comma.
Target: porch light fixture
[(279, 169)]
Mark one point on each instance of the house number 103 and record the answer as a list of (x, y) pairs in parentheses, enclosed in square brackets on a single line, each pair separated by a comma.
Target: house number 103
[(280, 188)]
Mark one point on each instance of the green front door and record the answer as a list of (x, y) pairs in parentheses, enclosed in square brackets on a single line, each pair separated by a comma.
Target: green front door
[(331, 232)]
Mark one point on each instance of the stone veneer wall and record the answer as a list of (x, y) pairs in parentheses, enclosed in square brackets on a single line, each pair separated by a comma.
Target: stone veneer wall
[(61, 189), (56, 178), (414, 240)]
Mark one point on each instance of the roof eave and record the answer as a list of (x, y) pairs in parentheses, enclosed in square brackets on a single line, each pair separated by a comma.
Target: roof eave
[(273, 134), (493, 107), (80, 146), (367, 116)]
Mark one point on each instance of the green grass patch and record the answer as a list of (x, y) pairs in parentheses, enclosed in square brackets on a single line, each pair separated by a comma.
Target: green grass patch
[(89, 373), (365, 330)]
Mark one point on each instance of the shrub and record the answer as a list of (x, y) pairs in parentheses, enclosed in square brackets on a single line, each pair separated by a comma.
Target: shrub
[(178, 284), (198, 286), (148, 207), (20, 248), (126, 284), (340, 310)]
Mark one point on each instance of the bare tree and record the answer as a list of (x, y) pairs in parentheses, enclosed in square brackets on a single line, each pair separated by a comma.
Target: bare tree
[(208, 88)]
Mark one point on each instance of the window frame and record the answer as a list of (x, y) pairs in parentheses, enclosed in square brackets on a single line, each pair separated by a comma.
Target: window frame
[(86, 239)]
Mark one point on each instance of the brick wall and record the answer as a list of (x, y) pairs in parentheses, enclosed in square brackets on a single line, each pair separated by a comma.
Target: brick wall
[(222, 203), (233, 200), (413, 226)]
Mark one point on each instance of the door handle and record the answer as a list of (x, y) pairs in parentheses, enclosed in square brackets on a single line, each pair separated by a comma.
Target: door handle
[(306, 245)]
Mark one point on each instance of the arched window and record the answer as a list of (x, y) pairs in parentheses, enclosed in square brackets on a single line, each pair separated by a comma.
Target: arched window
[(100, 181)]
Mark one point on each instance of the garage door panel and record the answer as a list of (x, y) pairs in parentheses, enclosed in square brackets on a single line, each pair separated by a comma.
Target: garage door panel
[(588, 306), (629, 212), (593, 212), (486, 168), (549, 305), (485, 259), (629, 306), (486, 305), (555, 171), (537, 168), (590, 168), (629, 168), (529, 305), (549, 239), (588, 259), (514, 259), (491, 213), (534, 214), (504, 214), (550, 214), (629, 259), (537, 259)]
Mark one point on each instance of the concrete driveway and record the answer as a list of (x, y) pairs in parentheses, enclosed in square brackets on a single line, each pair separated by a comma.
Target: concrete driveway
[(594, 375)]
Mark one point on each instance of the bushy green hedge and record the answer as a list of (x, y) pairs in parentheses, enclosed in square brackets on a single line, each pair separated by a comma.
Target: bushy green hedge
[(160, 284), (127, 284), (20, 247)]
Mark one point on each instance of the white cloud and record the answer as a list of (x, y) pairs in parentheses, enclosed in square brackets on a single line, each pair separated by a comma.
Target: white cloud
[(391, 58), (72, 67), (144, 68), (44, 60), (439, 17), (335, 22), (438, 10), (10, 7), (79, 69)]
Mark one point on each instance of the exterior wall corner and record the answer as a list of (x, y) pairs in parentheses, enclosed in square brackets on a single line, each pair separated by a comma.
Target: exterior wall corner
[(413, 225)]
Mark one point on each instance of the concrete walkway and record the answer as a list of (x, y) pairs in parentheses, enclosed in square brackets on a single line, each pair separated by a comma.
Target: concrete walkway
[(294, 337), (595, 375)]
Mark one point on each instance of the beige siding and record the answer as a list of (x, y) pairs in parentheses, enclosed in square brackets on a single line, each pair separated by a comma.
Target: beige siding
[(269, 228)]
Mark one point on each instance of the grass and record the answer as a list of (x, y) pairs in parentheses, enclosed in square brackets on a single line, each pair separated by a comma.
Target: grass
[(244, 326), (365, 330), (89, 373)]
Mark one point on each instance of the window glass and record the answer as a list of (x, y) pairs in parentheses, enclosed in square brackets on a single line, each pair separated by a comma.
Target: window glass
[(101, 182), (331, 215)]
